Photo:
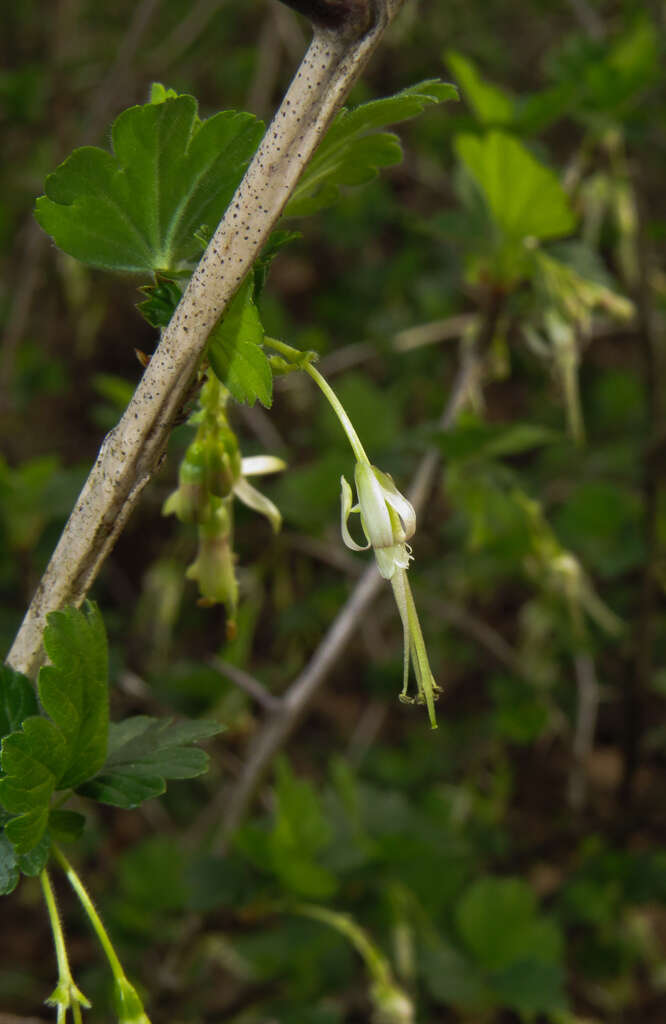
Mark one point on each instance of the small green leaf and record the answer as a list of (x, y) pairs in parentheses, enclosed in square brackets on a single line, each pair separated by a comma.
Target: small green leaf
[(524, 197), (159, 305), (73, 690), (143, 753), (531, 987), (123, 790), (499, 922), (351, 154), (139, 208), (17, 699), (235, 353), (9, 872), (491, 104)]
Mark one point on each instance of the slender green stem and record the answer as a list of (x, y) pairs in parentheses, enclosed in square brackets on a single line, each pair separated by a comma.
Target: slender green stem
[(304, 361), (64, 972), (89, 907), (293, 355), (66, 995), (336, 405), (128, 1002), (374, 959)]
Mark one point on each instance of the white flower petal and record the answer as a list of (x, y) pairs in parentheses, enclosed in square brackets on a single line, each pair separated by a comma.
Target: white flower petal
[(398, 502), (374, 513), (254, 499), (346, 499), (259, 465)]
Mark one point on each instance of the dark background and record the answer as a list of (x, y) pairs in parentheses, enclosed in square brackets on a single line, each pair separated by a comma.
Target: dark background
[(435, 843)]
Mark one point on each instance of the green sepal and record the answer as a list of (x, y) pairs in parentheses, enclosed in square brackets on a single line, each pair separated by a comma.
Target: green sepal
[(354, 149), (160, 302)]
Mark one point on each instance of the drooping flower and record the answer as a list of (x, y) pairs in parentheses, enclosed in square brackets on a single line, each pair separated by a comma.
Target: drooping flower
[(388, 521), (211, 475)]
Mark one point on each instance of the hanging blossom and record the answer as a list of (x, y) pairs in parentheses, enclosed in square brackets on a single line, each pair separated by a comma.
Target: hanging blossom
[(212, 474), (388, 521)]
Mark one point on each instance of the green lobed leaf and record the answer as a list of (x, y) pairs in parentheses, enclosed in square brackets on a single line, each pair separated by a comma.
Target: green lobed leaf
[(144, 752), (235, 353), (33, 759), (500, 924), (524, 197), (35, 861), (46, 754), (139, 208), (350, 154), (73, 690), (17, 699)]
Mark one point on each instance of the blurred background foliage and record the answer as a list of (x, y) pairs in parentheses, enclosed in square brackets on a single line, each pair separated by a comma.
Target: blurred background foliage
[(510, 867)]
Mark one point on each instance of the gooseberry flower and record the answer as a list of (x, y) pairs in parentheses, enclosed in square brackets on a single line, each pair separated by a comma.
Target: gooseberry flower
[(388, 521)]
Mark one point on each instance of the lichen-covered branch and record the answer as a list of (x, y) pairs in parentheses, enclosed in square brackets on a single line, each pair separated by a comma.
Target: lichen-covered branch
[(132, 451)]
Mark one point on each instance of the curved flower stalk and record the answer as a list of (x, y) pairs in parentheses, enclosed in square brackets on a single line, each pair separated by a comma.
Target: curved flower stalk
[(211, 475), (388, 521), (390, 1003)]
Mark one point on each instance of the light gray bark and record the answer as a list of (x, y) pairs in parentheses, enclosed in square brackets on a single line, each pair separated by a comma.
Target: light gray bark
[(133, 450)]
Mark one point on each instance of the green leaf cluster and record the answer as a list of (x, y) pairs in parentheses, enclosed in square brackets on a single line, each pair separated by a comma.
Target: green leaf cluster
[(143, 753), (65, 742), (61, 748)]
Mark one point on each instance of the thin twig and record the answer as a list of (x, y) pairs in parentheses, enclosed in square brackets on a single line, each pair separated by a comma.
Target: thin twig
[(134, 449), (244, 681), (410, 338)]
